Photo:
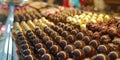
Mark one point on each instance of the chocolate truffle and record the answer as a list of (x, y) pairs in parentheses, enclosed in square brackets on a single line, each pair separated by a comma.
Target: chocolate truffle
[(57, 39), (38, 46), (47, 57), (86, 39), (26, 52), (94, 43), (63, 43), (89, 51), (49, 43), (79, 35), (28, 57), (64, 33), (103, 49), (24, 46), (114, 55), (69, 48), (70, 38), (78, 54), (62, 55), (54, 49), (100, 57), (74, 32), (41, 51), (45, 38), (79, 44)]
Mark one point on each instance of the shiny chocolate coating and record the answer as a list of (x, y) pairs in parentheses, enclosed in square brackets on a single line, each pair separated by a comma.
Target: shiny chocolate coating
[(62, 55), (114, 55), (24, 46), (47, 57), (86, 39), (79, 44), (26, 52), (70, 38), (100, 57), (57, 39), (74, 32), (94, 43), (89, 51), (69, 48), (41, 51), (45, 38), (105, 39), (64, 33), (78, 54), (63, 43), (38, 46), (49, 43), (28, 57), (103, 49), (54, 49), (79, 35)]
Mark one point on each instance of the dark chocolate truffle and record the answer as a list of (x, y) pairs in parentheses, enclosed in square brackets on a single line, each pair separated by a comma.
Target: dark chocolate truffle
[(114, 55), (79, 44), (63, 43), (62, 55), (79, 35), (100, 57), (86, 39), (70, 38), (94, 43)]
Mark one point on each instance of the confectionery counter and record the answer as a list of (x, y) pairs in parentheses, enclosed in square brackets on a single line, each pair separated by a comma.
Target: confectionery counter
[(58, 33)]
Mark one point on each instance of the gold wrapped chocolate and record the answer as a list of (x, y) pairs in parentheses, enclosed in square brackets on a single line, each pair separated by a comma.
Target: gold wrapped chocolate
[(31, 24)]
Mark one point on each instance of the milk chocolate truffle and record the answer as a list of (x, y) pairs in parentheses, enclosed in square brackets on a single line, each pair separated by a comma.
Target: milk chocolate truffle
[(45, 38), (114, 55), (62, 55), (89, 51), (69, 48), (103, 49), (26, 52), (94, 43), (70, 38), (105, 39), (54, 49), (24, 46), (47, 57), (74, 32), (57, 39), (49, 43), (86, 39), (63, 43), (100, 57), (79, 44), (96, 35), (78, 54), (28, 57), (38, 46), (79, 35), (60, 30), (64, 33), (41, 51)]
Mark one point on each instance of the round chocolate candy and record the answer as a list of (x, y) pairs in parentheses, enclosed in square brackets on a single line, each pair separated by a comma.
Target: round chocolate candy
[(37, 31), (89, 51), (68, 29), (79, 35), (62, 55), (54, 49), (29, 33), (79, 44), (49, 43), (69, 48), (26, 52), (24, 46), (45, 39), (103, 49), (100, 57), (47, 57), (70, 38), (57, 39), (60, 23), (94, 43), (41, 51), (74, 32), (114, 55), (28, 57), (34, 41), (60, 30), (38, 46), (78, 54), (64, 33), (86, 39), (105, 39), (63, 43)]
